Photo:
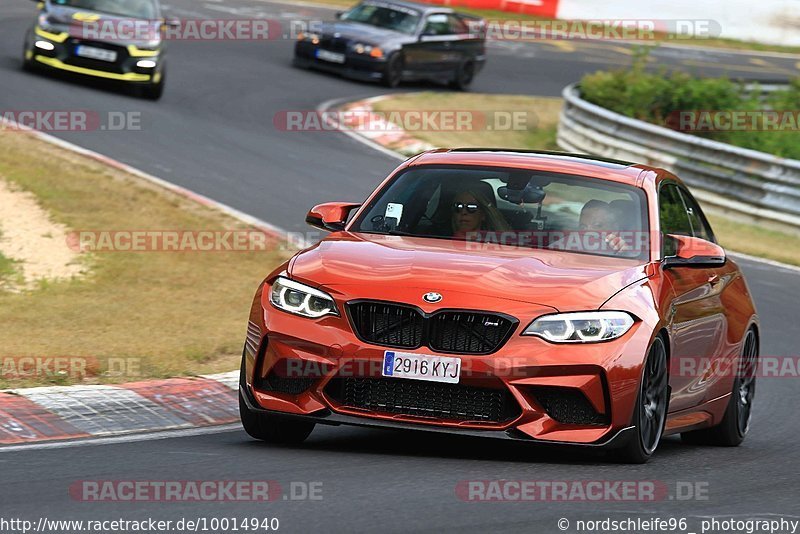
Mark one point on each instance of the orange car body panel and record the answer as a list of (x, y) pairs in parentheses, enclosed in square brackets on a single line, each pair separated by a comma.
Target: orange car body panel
[(703, 312)]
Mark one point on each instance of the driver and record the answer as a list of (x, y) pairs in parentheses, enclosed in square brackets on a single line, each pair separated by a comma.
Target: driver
[(473, 213)]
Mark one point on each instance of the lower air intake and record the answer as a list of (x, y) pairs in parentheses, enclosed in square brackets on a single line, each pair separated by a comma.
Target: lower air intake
[(568, 406), (451, 402)]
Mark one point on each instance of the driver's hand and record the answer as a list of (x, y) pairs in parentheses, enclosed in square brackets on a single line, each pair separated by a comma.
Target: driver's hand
[(616, 243)]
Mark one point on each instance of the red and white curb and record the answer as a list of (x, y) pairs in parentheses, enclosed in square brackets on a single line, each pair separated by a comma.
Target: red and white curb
[(72, 412), (366, 125)]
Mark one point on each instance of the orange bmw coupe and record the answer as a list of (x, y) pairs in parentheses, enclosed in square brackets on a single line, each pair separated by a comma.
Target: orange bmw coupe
[(544, 297)]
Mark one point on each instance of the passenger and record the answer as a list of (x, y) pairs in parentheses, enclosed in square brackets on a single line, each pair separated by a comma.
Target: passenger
[(597, 217)]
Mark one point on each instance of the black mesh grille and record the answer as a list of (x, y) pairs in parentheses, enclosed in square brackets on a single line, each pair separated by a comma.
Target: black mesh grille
[(285, 384), (569, 406), (454, 331), (452, 402), (468, 332), (388, 324), (334, 44)]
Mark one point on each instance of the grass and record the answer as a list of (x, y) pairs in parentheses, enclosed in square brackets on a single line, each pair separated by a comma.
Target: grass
[(8, 271), (662, 98), (167, 313), (755, 240), (731, 233), (500, 16), (538, 115)]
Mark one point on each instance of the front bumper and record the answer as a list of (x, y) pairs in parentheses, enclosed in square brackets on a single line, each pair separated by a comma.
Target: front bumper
[(357, 67), (575, 394), (328, 417), (63, 57)]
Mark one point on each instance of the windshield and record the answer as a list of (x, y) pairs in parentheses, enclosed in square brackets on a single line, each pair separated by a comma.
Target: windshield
[(140, 9), (386, 16), (512, 207)]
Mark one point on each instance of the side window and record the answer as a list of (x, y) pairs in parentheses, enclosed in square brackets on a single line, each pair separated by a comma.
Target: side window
[(700, 226), (457, 26), (673, 216), (437, 24)]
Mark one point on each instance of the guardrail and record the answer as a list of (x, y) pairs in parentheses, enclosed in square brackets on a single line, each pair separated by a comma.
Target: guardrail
[(740, 180)]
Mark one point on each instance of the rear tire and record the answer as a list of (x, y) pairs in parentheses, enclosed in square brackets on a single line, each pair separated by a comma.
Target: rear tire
[(463, 76), (267, 427), (650, 414), (735, 424)]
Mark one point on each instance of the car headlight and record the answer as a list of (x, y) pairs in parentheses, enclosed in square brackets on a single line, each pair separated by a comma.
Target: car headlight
[(44, 24), (372, 51), (300, 299), (152, 49), (313, 37), (583, 327)]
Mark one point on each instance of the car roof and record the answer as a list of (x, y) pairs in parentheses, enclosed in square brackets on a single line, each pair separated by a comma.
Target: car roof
[(424, 8), (542, 160)]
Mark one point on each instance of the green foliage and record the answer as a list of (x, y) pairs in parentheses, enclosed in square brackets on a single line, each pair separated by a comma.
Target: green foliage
[(658, 98)]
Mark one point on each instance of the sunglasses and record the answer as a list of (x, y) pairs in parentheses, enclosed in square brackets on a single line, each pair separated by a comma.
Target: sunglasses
[(459, 207)]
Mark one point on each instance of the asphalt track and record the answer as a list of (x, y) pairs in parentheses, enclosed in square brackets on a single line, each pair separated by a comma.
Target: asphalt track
[(213, 133)]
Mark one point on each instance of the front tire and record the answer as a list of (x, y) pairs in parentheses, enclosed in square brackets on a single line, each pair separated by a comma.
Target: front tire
[(735, 424), (150, 91), (267, 427), (154, 91), (650, 414), (27, 63), (393, 72)]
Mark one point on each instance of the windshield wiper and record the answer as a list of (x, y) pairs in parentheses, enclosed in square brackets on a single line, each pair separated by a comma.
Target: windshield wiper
[(401, 233)]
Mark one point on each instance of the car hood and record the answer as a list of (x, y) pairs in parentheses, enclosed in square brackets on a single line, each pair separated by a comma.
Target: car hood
[(104, 26), (355, 31), (562, 280)]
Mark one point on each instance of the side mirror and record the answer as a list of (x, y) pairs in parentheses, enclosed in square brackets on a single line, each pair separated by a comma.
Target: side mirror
[(694, 252), (340, 14), (331, 216)]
